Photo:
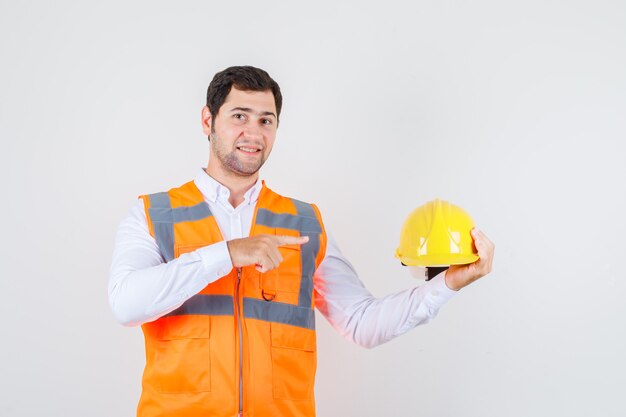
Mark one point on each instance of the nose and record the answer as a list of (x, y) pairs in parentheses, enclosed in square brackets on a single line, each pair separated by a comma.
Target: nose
[(253, 132)]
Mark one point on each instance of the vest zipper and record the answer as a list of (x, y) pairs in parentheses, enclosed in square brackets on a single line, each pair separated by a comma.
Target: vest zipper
[(239, 320)]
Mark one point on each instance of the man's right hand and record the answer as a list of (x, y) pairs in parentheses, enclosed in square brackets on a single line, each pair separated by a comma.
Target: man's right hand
[(261, 251)]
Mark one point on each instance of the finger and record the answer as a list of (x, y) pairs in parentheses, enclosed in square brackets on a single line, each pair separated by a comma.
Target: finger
[(265, 263), (291, 240), (477, 233), (485, 253), (274, 255), (479, 236)]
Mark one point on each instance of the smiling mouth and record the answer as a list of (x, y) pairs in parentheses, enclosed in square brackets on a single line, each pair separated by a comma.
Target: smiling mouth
[(248, 150)]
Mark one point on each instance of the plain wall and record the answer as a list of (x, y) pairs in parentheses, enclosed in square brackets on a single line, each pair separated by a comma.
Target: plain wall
[(513, 110)]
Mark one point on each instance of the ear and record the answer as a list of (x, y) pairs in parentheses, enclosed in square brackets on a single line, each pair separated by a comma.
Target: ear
[(207, 120)]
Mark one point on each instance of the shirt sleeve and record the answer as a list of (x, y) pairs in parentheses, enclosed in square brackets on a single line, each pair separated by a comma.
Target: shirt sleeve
[(142, 287), (366, 320)]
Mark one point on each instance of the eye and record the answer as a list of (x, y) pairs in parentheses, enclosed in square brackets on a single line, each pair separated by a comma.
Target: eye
[(266, 122), (239, 116)]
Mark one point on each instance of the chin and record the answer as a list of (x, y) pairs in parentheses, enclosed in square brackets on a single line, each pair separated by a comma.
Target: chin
[(245, 172)]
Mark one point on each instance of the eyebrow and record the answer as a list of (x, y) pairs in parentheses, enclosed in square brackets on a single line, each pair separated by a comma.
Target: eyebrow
[(249, 110)]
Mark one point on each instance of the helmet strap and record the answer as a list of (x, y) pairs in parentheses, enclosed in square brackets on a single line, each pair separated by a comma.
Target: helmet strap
[(433, 271)]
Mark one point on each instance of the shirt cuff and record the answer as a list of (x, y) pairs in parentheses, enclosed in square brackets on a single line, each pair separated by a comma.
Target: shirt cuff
[(438, 292), (216, 260)]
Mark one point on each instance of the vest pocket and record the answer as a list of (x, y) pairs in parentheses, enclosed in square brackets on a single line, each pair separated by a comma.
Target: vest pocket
[(182, 361), (294, 362)]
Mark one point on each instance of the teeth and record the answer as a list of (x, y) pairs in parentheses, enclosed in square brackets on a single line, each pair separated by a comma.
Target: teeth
[(248, 149)]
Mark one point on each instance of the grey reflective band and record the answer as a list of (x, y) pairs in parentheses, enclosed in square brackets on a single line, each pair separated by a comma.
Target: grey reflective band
[(207, 305), (303, 224), (279, 313), (180, 214), (308, 253), (163, 232), (222, 305), (163, 218), (160, 200)]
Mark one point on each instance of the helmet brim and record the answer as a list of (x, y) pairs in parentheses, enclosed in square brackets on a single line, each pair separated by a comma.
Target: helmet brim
[(438, 259)]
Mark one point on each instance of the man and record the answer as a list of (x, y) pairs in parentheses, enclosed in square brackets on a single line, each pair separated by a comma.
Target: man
[(223, 275)]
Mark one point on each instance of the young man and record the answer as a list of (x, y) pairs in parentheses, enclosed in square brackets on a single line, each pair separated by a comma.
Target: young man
[(223, 275)]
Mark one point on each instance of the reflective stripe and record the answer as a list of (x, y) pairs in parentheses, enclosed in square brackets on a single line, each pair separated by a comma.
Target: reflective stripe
[(297, 222), (306, 210), (163, 232), (222, 305), (279, 313), (163, 217), (209, 305), (160, 200), (180, 214), (308, 254)]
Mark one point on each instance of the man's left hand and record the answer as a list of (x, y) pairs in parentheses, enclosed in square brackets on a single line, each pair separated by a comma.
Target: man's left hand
[(459, 276)]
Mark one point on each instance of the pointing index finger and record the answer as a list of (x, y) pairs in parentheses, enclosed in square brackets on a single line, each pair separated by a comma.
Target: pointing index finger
[(292, 240)]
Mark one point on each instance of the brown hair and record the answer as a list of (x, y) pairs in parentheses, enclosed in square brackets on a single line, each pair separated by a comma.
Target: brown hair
[(243, 78)]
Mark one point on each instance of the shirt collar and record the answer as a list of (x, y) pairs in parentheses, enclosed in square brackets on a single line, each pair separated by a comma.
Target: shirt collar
[(211, 189)]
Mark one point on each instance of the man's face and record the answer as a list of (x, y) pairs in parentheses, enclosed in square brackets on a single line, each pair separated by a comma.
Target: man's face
[(243, 132)]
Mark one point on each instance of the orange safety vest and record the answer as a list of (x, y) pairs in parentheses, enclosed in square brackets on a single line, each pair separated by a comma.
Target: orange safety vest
[(244, 345)]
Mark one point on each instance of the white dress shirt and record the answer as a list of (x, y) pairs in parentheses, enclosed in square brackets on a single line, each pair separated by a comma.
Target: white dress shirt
[(143, 288)]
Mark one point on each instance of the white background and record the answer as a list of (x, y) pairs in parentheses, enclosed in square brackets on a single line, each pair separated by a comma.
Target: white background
[(513, 110)]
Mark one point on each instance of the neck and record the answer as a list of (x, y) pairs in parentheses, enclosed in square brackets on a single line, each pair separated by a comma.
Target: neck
[(237, 185)]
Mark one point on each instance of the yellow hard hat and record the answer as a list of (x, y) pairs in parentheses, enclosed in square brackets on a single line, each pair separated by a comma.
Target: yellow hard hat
[(437, 234)]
